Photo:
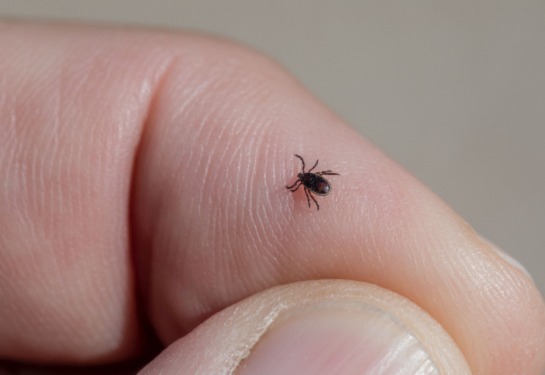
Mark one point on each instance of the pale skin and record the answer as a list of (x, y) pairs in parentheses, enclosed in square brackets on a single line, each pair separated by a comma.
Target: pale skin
[(149, 165)]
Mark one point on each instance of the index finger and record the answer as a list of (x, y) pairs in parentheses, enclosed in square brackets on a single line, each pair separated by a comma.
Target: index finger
[(215, 223)]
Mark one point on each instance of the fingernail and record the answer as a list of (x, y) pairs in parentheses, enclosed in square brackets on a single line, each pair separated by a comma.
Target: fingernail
[(338, 340)]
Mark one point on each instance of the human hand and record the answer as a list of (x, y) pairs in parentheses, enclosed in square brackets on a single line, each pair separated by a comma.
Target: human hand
[(143, 182)]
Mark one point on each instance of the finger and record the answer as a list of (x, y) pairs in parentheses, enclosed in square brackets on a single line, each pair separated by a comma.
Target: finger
[(72, 104), (320, 327), (214, 222)]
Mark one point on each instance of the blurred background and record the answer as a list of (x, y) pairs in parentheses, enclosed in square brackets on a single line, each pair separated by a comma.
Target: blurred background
[(454, 91)]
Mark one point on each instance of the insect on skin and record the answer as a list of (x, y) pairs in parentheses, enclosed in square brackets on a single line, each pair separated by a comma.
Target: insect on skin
[(312, 182)]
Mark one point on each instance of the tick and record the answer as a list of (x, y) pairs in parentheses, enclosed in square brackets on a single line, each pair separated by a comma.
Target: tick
[(312, 182)]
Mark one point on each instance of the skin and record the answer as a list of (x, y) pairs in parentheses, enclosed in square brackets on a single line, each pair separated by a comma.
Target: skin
[(142, 191)]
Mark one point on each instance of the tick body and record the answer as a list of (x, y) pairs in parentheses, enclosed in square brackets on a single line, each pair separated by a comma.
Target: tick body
[(313, 183)]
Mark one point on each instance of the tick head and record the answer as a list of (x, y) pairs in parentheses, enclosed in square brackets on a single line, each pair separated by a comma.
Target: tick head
[(300, 175)]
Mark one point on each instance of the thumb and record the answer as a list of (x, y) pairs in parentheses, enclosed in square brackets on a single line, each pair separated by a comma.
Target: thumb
[(315, 327)]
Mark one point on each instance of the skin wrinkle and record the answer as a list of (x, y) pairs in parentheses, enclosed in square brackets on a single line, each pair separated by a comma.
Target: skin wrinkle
[(229, 158), (154, 83), (241, 185), (276, 227), (190, 93), (249, 142), (255, 219), (208, 172)]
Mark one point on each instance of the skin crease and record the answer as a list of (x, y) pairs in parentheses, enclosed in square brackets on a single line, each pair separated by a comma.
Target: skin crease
[(138, 164)]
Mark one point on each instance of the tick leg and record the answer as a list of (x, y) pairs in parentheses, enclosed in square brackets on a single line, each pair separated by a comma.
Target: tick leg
[(302, 161), (308, 199), (296, 182), (315, 164), (297, 187), (317, 205), (327, 173)]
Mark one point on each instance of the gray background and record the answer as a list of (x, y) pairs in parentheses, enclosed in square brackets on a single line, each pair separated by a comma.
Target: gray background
[(454, 91)]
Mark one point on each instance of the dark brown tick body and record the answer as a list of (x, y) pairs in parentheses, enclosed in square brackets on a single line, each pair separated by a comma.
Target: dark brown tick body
[(312, 182)]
